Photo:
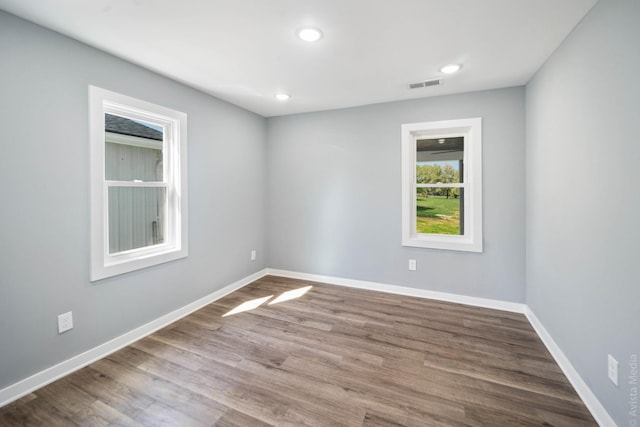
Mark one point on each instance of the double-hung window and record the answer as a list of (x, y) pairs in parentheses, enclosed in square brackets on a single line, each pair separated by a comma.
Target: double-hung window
[(138, 183), (442, 185)]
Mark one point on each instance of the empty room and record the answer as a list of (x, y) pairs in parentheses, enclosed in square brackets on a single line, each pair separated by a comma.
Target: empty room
[(319, 213)]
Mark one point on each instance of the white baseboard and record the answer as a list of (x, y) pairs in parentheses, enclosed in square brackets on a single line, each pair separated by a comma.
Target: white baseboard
[(40, 379), (590, 400), (403, 290)]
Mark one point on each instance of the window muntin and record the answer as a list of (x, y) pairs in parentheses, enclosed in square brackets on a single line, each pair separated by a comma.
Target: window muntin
[(138, 184), (442, 185)]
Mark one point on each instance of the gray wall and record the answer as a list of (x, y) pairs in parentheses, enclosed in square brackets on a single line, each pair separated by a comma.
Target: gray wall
[(44, 219), (583, 207), (335, 196)]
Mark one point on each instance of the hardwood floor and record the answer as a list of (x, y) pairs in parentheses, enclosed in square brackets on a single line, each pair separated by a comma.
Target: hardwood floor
[(333, 357)]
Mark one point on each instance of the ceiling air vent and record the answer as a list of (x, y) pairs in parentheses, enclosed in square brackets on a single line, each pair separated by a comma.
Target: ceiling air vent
[(425, 84)]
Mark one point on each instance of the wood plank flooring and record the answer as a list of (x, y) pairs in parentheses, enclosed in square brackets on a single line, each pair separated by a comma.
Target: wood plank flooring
[(333, 357)]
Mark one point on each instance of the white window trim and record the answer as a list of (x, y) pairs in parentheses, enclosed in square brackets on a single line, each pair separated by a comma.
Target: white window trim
[(103, 264), (471, 241)]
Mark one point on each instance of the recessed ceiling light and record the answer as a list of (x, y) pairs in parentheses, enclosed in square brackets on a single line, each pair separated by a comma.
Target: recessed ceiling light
[(282, 96), (310, 34), (451, 68)]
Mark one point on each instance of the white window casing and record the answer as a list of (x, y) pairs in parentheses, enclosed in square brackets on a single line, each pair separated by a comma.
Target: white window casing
[(173, 164), (471, 129)]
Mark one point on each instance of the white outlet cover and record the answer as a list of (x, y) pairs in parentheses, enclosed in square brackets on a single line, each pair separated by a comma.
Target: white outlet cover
[(253, 255), (413, 265), (612, 369), (65, 322)]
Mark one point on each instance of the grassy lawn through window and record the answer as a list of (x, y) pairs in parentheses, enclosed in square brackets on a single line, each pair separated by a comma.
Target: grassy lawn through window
[(438, 215)]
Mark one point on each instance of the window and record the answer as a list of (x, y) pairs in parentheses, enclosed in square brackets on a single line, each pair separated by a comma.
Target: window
[(442, 185), (138, 183)]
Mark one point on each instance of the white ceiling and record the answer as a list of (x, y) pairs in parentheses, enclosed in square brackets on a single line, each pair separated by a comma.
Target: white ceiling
[(245, 51)]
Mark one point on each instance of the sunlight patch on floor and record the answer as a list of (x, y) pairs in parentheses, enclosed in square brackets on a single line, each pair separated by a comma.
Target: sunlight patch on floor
[(255, 303), (248, 305), (292, 294)]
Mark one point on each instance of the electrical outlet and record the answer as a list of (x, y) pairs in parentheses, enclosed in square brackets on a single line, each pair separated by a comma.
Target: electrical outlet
[(253, 255), (65, 322), (412, 265), (612, 369)]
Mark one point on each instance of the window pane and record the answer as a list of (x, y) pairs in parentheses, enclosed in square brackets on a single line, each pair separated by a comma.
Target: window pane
[(439, 160), (133, 150), (136, 217), (440, 210)]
